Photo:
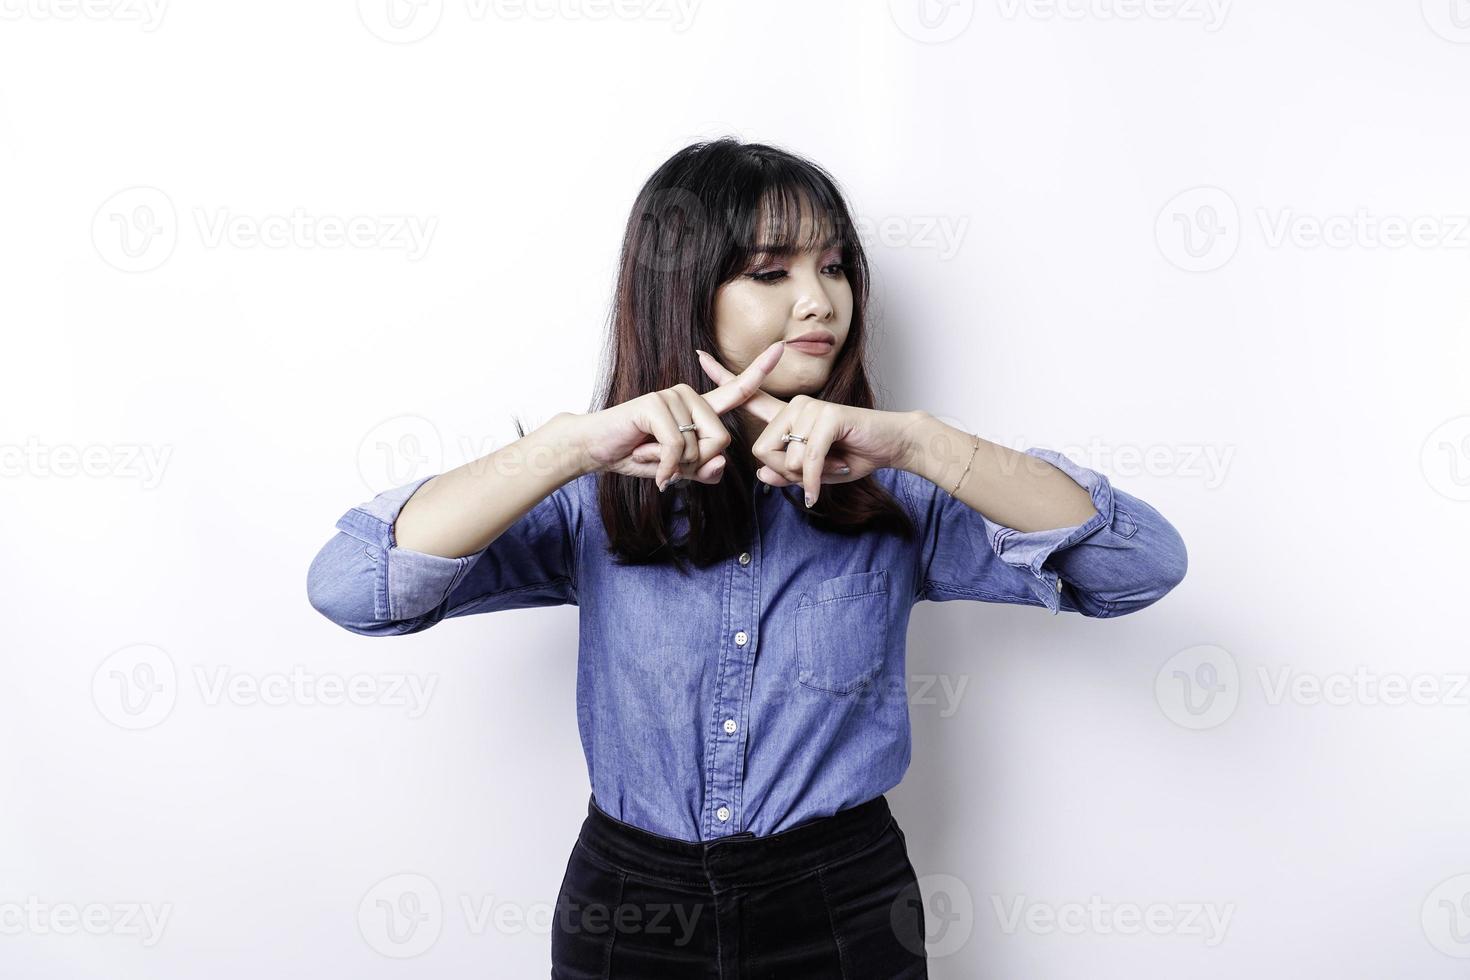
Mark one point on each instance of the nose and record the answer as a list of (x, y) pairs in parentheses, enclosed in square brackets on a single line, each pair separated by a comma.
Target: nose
[(813, 302)]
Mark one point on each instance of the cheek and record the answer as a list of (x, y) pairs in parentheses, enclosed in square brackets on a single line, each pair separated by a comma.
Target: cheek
[(746, 323)]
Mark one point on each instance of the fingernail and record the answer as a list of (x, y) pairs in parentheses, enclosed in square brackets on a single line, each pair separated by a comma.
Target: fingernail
[(844, 469), (808, 500), (700, 352)]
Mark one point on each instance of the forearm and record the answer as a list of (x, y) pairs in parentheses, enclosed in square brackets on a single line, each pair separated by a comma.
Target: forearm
[(1009, 487), (461, 511)]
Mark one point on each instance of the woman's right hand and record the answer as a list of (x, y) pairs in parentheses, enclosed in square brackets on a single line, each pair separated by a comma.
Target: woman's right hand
[(609, 437)]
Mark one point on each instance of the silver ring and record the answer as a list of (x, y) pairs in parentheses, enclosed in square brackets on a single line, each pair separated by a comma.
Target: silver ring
[(788, 437), (688, 428)]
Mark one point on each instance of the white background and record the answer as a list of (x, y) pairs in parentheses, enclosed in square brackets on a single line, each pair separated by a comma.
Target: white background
[(1092, 230)]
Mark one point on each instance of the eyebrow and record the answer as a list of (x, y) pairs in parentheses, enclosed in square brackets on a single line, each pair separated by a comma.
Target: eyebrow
[(790, 249)]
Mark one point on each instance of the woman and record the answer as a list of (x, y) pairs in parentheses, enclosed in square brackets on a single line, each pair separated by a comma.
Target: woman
[(741, 682)]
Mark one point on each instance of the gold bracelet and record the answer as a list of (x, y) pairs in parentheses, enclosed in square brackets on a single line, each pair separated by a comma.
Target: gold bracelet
[(967, 467)]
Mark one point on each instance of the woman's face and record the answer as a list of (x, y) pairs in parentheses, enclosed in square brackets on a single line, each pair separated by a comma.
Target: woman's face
[(785, 298)]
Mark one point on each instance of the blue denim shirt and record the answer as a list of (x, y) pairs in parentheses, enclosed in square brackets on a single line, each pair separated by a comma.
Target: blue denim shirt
[(766, 690)]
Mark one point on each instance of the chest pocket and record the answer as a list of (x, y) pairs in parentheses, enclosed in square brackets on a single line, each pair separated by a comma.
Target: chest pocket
[(842, 632)]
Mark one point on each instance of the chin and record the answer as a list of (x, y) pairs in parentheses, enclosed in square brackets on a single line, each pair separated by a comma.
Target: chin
[(809, 383)]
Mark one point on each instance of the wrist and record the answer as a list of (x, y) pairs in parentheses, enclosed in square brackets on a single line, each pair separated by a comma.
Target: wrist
[(562, 436), (917, 434), (939, 453)]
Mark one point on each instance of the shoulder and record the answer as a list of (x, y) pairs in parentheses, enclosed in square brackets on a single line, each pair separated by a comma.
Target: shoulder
[(576, 497)]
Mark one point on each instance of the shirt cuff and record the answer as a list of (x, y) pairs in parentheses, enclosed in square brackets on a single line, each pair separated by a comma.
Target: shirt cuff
[(1029, 550), (408, 583)]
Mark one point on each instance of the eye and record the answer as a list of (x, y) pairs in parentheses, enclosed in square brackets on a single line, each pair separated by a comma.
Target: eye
[(839, 267), (773, 276)]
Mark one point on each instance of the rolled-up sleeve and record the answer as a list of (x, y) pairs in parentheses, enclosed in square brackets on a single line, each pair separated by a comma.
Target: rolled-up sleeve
[(1122, 559), (362, 581)]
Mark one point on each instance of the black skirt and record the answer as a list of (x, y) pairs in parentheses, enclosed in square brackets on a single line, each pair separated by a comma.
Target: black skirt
[(832, 898)]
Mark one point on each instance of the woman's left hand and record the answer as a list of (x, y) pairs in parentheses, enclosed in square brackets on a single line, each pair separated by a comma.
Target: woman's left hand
[(863, 439)]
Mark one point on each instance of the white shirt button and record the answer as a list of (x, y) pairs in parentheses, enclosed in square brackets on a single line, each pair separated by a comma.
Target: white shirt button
[(730, 726), (723, 813), (740, 638), (745, 558)]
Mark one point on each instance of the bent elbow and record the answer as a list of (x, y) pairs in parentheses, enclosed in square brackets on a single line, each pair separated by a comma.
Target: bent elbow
[(342, 584), (1167, 563)]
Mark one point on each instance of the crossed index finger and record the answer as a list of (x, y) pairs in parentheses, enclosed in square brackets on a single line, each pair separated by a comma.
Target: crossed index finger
[(745, 388)]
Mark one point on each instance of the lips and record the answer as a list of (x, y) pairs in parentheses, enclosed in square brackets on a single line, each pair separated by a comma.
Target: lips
[(816, 342)]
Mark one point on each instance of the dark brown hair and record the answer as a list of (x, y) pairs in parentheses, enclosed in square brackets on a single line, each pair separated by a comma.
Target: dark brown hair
[(693, 228)]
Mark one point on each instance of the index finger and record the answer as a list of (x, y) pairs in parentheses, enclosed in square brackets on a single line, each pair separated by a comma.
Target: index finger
[(745, 386)]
